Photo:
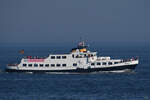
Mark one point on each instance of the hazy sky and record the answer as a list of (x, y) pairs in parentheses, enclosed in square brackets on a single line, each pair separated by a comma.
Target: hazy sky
[(32, 21)]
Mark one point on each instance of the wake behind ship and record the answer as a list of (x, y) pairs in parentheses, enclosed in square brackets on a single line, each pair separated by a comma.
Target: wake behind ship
[(79, 60)]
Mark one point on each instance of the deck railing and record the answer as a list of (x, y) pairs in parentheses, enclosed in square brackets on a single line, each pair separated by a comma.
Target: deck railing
[(12, 64)]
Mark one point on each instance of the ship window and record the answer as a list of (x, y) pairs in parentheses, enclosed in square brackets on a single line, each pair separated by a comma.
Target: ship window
[(74, 64), (52, 65), (35, 65), (104, 63), (58, 65), (92, 64), (115, 62), (77, 56), (46, 65), (52, 57), (30, 65), (110, 63), (64, 65), (98, 63), (58, 57), (24, 65), (64, 57), (41, 65), (73, 56)]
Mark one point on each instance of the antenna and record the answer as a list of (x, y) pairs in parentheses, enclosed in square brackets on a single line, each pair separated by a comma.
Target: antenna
[(80, 39)]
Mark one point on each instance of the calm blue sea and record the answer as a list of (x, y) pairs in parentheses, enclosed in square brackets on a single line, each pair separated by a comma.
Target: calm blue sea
[(99, 86)]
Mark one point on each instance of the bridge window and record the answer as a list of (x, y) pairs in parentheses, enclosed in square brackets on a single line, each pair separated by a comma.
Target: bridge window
[(41, 65), (74, 64), (64, 65), (30, 65), (46, 65), (24, 65), (64, 57), (58, 57), (52, 57)]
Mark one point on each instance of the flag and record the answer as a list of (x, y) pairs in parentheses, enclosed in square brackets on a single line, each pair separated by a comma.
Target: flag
[(21, 51), (81, 43)]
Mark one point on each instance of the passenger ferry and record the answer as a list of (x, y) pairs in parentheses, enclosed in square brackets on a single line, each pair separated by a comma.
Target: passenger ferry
[(79, 60)]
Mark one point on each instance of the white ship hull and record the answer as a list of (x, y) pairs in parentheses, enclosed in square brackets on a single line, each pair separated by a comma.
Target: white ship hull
[(89, 70), (117, 68)]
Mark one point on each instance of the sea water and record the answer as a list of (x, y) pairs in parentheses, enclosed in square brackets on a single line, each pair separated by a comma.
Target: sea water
[(96, 86)]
